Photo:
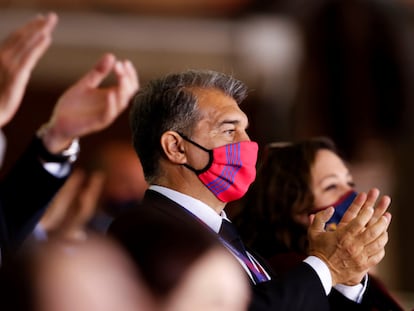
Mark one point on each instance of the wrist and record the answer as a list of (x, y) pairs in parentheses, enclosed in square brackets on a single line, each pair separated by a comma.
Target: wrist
[(331, 268), (54, 142), (51, 149)]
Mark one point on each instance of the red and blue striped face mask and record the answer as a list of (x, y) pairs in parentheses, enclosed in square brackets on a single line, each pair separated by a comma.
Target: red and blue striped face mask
[(230, 170)]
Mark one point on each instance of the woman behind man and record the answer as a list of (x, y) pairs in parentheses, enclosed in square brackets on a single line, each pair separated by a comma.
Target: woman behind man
[(294, 181)]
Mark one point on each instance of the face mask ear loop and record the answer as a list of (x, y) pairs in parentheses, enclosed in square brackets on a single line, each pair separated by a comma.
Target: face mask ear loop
[(209, 151)]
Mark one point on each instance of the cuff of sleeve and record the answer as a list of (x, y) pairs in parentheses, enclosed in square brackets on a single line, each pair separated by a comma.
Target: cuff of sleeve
[(354, 293), (70, 154), (58, 170), (40, 233), (322, 271)]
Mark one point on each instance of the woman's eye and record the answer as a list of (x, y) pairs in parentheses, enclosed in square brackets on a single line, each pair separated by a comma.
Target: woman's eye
[(351, 184), (330, 187)]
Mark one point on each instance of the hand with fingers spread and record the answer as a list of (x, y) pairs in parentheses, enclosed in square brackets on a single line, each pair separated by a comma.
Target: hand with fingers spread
[(85, 108), (19, 53), (359, 241)]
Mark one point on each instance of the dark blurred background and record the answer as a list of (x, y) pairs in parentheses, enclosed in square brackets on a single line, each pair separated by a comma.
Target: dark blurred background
[(341, 68)]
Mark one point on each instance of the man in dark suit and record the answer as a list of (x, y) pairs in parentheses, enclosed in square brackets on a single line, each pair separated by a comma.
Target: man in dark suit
[(81, 110), (190, 136)]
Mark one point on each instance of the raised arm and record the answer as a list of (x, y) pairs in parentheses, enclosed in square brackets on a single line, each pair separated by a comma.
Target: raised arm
[(83, 109)]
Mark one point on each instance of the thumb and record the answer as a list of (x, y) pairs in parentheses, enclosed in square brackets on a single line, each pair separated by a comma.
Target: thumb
[(319, 219), (99, 72)]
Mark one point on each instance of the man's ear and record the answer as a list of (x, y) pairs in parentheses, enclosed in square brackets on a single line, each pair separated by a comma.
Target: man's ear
[(174, 148)]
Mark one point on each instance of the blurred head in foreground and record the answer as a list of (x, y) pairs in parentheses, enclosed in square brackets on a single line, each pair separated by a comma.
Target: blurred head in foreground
[(68, 276)]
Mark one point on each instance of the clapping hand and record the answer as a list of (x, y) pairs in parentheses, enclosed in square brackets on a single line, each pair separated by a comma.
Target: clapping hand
[(86, 108), (19, 53), (359, 241)]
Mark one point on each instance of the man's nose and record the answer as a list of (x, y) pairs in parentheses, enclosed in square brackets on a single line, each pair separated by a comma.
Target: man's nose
[(243, 137)]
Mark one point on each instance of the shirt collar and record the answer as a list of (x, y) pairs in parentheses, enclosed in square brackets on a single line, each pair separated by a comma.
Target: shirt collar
[(199, 209)]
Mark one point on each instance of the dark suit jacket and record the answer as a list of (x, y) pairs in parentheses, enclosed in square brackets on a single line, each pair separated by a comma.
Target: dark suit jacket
[(300, 289), (24, 194)]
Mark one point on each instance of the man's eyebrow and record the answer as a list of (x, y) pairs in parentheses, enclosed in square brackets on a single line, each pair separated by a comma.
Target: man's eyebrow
[(224, 122), (231, 121)]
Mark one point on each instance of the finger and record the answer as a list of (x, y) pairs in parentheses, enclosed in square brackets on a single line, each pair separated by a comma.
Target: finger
[(127, 70), (89, 196), (41, 24), (357, 208), (354, 208), (380, 209), (373, 231), (320, 219), (123, 85), (311, 218), (99, 72), (22, 42), (359, 223), (127, 82), (58, 208), (372, 197), (377, 245), (70, 189), (51, 21), (83, 211), (375, 259), (37, 44), (133, 75), (20, 35)]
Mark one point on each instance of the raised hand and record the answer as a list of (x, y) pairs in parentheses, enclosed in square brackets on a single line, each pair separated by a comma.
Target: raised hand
[(19, 53), (85, 108), (359, 241)]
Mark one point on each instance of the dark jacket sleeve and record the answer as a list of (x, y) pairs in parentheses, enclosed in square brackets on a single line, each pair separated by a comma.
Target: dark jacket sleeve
[(299, 289), (376, 298), (24, 194)]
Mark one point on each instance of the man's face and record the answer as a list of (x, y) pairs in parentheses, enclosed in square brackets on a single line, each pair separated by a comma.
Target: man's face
[(222, 120)]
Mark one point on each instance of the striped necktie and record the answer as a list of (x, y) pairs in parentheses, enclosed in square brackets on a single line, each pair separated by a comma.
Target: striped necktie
[(229, 234)]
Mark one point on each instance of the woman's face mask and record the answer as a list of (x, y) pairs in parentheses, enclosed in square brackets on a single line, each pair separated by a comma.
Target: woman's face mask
[(341, 206)]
